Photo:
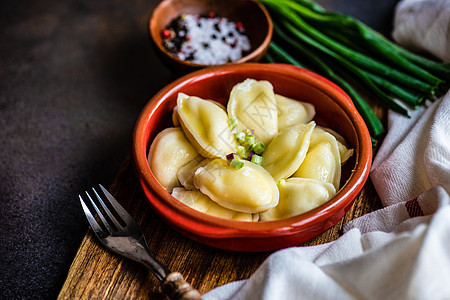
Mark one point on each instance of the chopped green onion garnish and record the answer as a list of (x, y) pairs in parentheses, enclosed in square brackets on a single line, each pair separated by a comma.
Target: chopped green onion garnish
[(256, 159), (281, 182), (235, 163), (240, 136), (232, 122), (259, 148), (249, 141), (242, 152)]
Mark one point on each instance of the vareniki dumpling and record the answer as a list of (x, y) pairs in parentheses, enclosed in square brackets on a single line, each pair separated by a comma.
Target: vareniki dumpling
[(206, 126), (249, 189), (292, 112), (287, 150), (323, 160), (186, 173), (253, 104), (176, 120), (169, 151), (199, 201), (299, 195), (344, 151)]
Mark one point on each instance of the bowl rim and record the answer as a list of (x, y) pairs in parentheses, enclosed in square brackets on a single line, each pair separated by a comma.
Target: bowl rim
[(249, 57), (182, 216)]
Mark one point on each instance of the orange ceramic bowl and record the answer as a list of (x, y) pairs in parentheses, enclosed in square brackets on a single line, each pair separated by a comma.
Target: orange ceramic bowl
[(334, 109), (251, 13)]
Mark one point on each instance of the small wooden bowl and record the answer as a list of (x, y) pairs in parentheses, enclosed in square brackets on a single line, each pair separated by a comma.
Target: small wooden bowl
[(334, 109), (253, 15)]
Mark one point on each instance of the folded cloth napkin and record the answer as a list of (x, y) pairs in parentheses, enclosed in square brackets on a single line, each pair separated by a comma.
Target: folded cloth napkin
[(409, 261), (398, 252), (418, 151), (433, 33)]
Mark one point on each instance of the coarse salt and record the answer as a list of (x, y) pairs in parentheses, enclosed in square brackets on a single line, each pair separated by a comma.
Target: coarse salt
[(206, 40)]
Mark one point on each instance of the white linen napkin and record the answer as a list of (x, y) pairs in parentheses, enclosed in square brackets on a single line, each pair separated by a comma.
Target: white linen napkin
[(433, 33), (425, 138), (399, 252), (410, 262)]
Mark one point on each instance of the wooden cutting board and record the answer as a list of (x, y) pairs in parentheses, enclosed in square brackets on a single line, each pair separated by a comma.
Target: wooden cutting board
[(98, 273)]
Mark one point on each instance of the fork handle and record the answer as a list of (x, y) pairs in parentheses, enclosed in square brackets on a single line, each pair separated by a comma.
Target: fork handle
[(176, 288)]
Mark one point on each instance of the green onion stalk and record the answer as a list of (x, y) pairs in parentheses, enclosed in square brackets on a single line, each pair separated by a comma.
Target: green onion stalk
[(362, 32), (373, 123), (350, 53)]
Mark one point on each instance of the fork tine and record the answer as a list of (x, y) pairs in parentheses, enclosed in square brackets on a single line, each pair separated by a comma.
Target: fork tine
[(99, 213), (107, 210), (119, 209), (94, 225)]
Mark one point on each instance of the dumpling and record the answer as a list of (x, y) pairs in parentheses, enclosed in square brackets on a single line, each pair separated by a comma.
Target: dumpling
[(292, 112), (253, 104), (206, 125), (299, 195), (199, 201), (287, 150), (322, 161), (176, 120), (186, 173), (338, 137), (344, 151), (169, 151), (249, 189)]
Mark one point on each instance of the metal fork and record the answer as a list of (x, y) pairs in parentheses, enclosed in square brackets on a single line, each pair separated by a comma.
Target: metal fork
[(121, 234)]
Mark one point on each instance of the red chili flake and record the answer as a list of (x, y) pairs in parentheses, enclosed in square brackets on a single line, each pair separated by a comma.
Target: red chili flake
[(211, 15), (239, 25), (166, 33)]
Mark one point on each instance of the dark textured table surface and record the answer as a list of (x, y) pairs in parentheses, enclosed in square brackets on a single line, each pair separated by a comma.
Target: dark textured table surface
[(74, 76)]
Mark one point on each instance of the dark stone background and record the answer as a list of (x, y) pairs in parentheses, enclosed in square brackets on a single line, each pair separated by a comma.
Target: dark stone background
[(74, 76)]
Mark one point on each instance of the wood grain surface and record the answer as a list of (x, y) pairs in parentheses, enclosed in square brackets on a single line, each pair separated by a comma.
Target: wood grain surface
[(97, 273)]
